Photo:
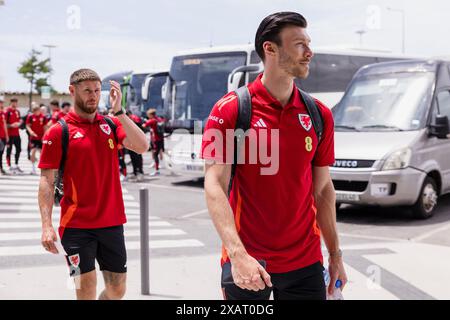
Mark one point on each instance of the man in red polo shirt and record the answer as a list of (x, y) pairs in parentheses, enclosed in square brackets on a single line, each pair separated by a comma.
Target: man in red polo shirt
[(36, 126), (156, 137), (55, 110), (277, 209), (92, 209), (13, 122), (4, 138)]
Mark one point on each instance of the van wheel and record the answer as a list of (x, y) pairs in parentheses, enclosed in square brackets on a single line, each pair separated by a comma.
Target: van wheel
[(425, 205), (338, 206)]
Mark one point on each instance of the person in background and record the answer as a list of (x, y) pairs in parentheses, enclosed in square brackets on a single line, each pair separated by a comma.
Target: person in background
[(54, 108), (156, 137), (13, 122), (4, 138), (136, 159), (36, 125)]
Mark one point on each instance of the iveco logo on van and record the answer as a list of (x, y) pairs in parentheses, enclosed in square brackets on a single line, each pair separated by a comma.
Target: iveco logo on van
[(346, 164)]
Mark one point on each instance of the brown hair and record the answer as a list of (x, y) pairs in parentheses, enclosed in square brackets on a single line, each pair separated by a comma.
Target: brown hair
[(151, 111), (271, 26), (84, 75)]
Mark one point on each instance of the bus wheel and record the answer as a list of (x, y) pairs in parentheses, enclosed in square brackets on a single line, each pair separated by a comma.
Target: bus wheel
[(426, 203)]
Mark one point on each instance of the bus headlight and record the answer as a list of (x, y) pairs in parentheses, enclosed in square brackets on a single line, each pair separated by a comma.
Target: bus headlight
[(398, 160)]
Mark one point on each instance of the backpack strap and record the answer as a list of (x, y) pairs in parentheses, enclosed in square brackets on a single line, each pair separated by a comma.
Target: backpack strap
[(314, 113), (64, 146), (113, 127), (242, 122)]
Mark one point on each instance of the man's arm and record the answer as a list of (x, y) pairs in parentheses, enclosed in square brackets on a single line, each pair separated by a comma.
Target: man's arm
[(247, 272), (135, 140), (30, 131), (46, 198), (325, 200), (6, 130)]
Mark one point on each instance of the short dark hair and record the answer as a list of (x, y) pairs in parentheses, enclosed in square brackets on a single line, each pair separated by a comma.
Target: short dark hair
[(54, 103), (84, 75), (13, 100), (65, 104), (269, 29)]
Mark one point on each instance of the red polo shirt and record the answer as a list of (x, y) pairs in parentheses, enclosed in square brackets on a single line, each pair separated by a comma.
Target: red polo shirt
[(153, 124), (275, 213), (37, 124), (12, 116), (92, 191), (2, 125)]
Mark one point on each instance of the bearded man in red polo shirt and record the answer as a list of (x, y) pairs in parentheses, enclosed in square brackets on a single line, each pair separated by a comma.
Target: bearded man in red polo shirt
[(92, 209), (276, 212)]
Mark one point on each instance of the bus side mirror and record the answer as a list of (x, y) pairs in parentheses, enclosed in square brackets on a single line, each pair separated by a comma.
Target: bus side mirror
[(234, 80), (440, 128), (145, 88), (235, 77)]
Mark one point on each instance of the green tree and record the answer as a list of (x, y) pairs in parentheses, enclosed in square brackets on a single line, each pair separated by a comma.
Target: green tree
[(36, 71)]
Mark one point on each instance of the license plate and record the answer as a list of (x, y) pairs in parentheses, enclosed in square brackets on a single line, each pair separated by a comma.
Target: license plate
[(347, 197), (191, 167)]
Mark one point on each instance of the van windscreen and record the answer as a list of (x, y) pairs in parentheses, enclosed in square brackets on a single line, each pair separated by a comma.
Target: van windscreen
[(392, 101)]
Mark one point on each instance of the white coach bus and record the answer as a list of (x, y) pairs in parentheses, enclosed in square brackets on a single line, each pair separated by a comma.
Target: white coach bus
[(199, 78)]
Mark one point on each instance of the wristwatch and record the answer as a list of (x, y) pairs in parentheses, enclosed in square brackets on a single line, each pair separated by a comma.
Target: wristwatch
[(118, 113), (335, 254)]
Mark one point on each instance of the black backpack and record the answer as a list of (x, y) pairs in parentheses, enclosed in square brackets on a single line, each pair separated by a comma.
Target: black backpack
[(59, 188), (245, 115)]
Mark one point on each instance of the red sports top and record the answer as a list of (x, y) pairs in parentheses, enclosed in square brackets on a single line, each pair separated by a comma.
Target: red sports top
[(2, 125), (37, 124), (153, 123), (92, 191), (12, 116), (275, 214)]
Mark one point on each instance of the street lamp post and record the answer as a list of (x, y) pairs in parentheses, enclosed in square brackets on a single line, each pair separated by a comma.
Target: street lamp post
[(361, 33), (403, 25), (50, 47)]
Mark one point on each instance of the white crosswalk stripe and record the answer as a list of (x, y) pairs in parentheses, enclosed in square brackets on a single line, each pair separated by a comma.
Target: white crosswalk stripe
[(20, 223)]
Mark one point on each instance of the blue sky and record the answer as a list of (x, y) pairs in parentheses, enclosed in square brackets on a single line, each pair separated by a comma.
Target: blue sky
[(134, 34)]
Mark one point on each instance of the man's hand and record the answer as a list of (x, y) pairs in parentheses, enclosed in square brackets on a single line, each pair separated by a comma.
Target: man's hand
[(115, 96), (249, 274), (15, 125), (48, 239), (337, 272)]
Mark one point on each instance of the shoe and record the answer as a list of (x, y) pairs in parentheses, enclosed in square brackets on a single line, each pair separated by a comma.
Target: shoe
[(140, 177), (122, 178), (19, 170), (156, 173), (12, 170), (3, 172)]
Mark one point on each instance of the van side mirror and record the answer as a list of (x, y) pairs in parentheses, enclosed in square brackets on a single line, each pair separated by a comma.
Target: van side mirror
[(440, 128)]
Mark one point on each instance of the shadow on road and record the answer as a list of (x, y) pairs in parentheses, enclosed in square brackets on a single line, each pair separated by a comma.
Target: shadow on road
[(394, 216)]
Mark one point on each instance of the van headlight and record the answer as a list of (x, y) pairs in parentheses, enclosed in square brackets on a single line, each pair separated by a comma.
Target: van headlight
[(398, 160)]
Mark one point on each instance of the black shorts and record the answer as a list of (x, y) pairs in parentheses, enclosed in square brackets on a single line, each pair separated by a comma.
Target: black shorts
[(36, 144), (84, 246), (302, 284), (158, 146)]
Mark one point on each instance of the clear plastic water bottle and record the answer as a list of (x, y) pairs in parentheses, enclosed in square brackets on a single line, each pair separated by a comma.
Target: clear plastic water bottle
[(337, 294)]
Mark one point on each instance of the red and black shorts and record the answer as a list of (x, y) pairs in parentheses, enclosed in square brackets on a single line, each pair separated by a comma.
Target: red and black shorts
[(84, 246)]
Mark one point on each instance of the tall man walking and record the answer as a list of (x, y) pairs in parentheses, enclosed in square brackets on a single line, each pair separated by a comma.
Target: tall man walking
[(92, 209), (277, 216)]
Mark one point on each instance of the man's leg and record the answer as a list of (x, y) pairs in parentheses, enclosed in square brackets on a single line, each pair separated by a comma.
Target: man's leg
[(86, 286), (302, 284), (9, 151), (115, 286), (2, 149), (17, 144), (112, 258), (81, 248)]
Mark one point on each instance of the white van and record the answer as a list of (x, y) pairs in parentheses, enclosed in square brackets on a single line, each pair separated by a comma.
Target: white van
[(391, 141)]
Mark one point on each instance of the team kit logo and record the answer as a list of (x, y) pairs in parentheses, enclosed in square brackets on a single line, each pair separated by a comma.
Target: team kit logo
[(305, 121), (105, 128), (74, 260)]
